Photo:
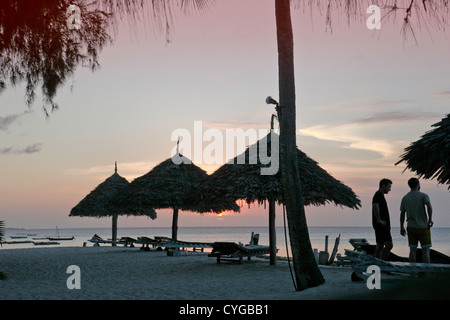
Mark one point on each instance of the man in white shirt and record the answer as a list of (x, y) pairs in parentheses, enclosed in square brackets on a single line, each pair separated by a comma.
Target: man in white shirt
[(416, 206)]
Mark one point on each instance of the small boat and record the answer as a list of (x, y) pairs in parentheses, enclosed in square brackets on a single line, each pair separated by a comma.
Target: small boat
[(17, 241), (435, 256), (44, 243), (60, 238), (18, 237)]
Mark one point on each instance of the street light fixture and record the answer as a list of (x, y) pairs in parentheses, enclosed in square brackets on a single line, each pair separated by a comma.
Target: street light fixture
[(270, 100)]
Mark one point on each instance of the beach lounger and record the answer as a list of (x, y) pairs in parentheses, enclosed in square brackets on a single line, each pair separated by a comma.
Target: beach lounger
[(147, 242), (97, 240), (231, 251), (176, 247)]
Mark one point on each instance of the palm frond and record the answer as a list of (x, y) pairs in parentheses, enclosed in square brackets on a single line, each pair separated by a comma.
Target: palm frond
[(429, 156), (431, 15)]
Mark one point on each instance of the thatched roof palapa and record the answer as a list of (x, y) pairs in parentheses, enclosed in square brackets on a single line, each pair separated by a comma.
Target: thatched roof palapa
[(99, 202), (243, 180), (165, 187), (429, 156)]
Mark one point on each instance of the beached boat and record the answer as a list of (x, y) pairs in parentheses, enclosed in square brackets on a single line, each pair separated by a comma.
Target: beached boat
[(435, 256), (44, 243), (58, 238), (17, 241)]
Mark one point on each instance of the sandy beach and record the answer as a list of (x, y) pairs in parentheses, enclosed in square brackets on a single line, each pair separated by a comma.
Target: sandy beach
[(131, 274)]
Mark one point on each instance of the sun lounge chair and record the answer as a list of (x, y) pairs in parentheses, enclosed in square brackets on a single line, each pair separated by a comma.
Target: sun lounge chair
[(230, 251), (146, 242), (124, 240), (97, 240), (176, 247)]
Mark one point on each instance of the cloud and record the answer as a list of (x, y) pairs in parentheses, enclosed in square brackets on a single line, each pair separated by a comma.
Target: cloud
[(129, 170), (357, 135), (253, 121), (443, 94), (373, 133), (396, 116), (6, 150), (34, 148), (387, 103), (351, 137), (31, 149), (7, 121)]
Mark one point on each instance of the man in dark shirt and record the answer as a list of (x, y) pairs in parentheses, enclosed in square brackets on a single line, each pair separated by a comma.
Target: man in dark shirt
[(381, 222)]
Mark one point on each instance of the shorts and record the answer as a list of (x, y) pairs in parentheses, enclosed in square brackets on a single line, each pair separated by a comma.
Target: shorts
[(419, 234), (383, 235)]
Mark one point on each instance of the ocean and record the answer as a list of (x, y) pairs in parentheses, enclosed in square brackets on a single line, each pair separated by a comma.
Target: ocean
[(440, 236)]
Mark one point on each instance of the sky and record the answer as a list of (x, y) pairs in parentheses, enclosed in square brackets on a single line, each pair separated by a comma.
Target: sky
[(362, 97)]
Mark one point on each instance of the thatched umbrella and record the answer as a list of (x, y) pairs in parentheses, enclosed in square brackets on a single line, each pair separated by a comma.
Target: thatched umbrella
[(98, 203), (430, 155), (165, 187), (234, 181)]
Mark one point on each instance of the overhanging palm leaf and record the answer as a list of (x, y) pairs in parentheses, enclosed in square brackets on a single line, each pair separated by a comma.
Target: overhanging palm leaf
[(429, 156)]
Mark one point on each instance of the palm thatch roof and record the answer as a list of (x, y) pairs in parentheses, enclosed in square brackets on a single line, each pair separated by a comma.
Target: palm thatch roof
[(165, 186), (429, 156), (234, 181), (99, 202)]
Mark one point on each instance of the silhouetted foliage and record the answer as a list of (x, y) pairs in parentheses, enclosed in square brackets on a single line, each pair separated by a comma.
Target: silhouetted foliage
[(429, 156), (38, 48)]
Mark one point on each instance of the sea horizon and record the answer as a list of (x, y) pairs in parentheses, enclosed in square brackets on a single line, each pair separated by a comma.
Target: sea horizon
[(317, 234)]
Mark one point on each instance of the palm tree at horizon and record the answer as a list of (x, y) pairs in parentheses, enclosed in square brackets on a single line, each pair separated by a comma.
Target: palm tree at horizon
[(307, 273)]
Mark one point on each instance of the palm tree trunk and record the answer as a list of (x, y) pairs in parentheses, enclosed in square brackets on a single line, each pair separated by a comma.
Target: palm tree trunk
[(114, 229), (2, 229), (307, 273), (272, 233), (175, 224)]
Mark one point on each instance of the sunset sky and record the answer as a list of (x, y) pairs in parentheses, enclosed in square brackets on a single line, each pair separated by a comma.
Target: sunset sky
[(362, 97)]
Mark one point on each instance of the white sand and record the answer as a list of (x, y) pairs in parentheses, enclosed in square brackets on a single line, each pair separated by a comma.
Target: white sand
[(130, 274)]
